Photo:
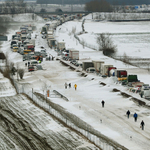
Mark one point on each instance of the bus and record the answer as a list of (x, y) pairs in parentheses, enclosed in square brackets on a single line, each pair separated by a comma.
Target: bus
[(27, 51)]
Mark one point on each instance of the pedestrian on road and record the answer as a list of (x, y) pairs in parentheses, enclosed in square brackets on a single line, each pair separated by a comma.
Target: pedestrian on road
[(26, 64), (128, 113), (135, 116), (65, 85), (103, 102), (69, 85), (142, 125), (75, 86)]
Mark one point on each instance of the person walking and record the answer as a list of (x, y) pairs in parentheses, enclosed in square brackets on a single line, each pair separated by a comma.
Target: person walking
[(103, 102), (128, 113), (28, 63), (65, 85), (142, 124), (135, 116), (75, 86), (69, 85)]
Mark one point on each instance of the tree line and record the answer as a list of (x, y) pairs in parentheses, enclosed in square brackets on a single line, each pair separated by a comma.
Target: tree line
[(62, 1), (98, 6), (112, 2)]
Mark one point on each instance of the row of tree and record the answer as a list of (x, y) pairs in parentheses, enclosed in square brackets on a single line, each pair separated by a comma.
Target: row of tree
[(62, 1), (98, 6), (15, 6), (112, 2)]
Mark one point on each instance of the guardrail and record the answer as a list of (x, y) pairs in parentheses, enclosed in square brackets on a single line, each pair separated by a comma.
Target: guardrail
[(69, 119)]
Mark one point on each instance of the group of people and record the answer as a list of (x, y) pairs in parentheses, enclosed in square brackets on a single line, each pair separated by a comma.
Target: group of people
[(66, 85), (135, 119), (128, 114)]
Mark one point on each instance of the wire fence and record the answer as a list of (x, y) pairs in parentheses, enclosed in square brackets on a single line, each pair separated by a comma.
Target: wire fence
[(69, 119), (85, 44)]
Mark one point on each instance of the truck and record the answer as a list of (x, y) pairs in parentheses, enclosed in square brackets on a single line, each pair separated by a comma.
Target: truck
[(132, 78), (51, 42), (60, 45), (44, 30), (49, 33), (97, 65), (111, 71), (29, 46), (23, 37), (50, 37), (121, 75), (32, 41), (105, 69), (86, 64), (74, 54), (29, 29)]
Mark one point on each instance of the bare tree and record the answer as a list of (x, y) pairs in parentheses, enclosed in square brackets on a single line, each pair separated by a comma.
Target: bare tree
[(104, 40), (125, 58), (13, 6), (83, 30)]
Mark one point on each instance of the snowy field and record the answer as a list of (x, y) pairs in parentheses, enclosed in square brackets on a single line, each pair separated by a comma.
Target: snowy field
[(85, 102)]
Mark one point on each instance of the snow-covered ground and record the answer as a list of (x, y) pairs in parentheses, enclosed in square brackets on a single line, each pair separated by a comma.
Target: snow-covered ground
[(85, 102)]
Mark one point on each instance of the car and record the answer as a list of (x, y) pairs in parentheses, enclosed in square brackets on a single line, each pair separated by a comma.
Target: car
[(31, 68), (13, 42), (37, 53), (34, 62), (15, 49), (73, 61), (43, 50), (90, 70), (14, 45)]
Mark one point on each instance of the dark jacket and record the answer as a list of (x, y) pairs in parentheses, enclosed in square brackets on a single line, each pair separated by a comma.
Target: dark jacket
[(128, 112), (142, 123)]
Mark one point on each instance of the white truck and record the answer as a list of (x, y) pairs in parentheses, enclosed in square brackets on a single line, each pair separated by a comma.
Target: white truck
[(60, 45), (104, 69), (97, 65), (49, 33), (23, 37), (74, 54), (29, 29)]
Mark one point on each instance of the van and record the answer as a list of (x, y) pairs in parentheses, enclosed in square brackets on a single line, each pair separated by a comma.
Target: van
[(78, 64), (34, 62), (145, 87), (90, 70), (145, 94)]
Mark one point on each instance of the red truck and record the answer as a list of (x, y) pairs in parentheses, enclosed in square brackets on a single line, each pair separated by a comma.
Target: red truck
[(121, 73)]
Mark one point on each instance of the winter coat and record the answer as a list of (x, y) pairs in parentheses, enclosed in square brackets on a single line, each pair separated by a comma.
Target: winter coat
[(142, 123), (135, 115), (128, 112)]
